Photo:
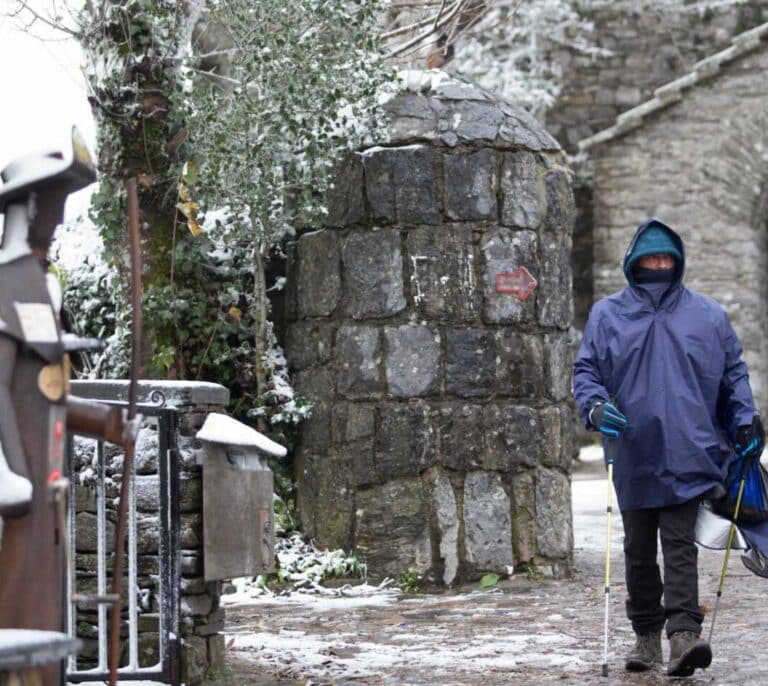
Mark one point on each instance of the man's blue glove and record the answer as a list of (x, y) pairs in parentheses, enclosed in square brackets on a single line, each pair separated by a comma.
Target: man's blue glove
[(750, 440), (607, 419)]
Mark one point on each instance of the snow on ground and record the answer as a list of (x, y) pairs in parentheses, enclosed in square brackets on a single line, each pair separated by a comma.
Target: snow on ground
[(376, 632)]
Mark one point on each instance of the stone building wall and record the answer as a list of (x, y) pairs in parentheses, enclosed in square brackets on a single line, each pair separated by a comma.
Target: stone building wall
[(202, 617), (650, 47), (699, 165), (441, 438)]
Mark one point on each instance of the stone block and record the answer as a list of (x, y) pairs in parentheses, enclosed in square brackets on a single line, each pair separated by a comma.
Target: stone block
[(405, 440), (191, 530), (352, 421), (305, 468), (360, 455), (315, 384), (557, 437), (379, 185), (194, 660), (192, 586), (85, 498), (524, 515), (148, 535), (411, 117), (214, 624), (474, 120), (442, 279), (191, 563), (413, 361), (470, 186), (149, 565), (568, 424), (554, 522), (487, 523), (216, 651), (522, 194), (561, 207), (318, 282), (86, 537), (555, 292), (519, 363), (392, 532), (512, 437), (358, 353), (461, 436), (521, 129), (345, 200), (196, 605), (505, 251), (470, 365), (308, 343), (335, 497), (147, 492), (414, 173), (558, 366), (146, 452), (190, 493), (446, 513), (373, 274), (149, 649)]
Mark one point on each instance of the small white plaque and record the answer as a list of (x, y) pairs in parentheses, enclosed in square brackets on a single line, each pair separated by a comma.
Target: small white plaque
[(37, 322)]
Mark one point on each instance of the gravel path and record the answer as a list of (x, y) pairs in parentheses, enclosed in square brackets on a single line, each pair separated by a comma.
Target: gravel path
[(522, 632)]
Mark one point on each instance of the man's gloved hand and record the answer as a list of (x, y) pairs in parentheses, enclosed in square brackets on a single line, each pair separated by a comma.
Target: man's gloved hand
[(607, 419), (750, 440)]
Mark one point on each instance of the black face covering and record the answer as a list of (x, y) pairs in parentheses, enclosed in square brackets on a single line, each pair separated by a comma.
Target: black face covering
[(644, 275), (654, 282)]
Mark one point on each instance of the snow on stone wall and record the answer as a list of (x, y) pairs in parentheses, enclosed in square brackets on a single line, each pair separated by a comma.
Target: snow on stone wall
[(440, 438)]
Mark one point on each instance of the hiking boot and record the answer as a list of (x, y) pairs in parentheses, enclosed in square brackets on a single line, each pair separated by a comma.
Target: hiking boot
[(687, 652), (646, 653)]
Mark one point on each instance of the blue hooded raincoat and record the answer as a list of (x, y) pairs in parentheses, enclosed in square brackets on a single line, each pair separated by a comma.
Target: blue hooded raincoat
[(673, 366)]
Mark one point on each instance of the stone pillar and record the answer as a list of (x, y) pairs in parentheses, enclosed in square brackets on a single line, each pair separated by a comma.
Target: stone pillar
[(440, 438), (202, 617)]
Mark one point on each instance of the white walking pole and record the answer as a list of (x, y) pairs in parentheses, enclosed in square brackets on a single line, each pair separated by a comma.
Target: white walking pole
[(609, 511)]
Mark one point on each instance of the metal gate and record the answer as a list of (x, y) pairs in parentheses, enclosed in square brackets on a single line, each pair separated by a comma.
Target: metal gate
[(157, 601)]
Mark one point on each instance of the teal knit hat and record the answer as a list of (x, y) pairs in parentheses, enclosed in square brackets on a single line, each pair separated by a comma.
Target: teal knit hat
[(655, 240)]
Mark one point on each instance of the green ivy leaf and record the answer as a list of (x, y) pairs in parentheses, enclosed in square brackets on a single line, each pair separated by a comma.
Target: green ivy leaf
[(489, 580)]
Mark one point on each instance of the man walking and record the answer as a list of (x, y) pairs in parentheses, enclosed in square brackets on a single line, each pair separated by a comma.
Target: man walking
[(660, 374)]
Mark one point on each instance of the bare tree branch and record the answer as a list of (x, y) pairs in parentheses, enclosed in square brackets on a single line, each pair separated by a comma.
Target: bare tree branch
[(416, 40), (36, 16)]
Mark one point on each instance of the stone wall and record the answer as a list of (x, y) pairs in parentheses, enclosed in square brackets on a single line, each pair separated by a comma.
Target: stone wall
[(441, 439), (202, 618), (699, 165), (650, 47)]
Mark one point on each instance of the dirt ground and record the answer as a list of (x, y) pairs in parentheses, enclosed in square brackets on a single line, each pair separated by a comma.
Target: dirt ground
[(525, 631)]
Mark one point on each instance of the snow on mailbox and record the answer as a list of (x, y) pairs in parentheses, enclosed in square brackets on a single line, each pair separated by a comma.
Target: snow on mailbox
[(238, 523)]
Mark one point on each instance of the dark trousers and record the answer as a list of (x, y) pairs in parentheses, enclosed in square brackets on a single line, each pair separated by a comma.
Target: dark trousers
[(676, 525)]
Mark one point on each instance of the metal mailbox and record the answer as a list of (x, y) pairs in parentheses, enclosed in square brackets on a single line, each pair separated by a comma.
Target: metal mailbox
[(238, 520)]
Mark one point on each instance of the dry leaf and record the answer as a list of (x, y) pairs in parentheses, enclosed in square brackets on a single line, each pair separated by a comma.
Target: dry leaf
[(194, 228), (183, 193), (236, 313), (188, 209)]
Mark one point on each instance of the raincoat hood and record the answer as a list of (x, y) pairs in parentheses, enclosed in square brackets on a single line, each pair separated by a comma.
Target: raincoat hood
[(652, 237)]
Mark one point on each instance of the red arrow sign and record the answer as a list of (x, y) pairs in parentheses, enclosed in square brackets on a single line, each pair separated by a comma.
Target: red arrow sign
[(520, 283)]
